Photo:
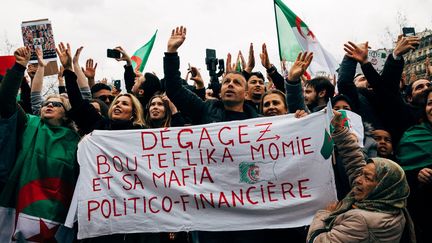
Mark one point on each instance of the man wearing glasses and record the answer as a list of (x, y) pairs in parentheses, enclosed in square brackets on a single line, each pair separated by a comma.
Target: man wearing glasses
[(102, 92)]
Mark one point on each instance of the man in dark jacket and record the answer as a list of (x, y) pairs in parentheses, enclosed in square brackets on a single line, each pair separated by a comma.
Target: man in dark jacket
[(231, 107), (233, 91)]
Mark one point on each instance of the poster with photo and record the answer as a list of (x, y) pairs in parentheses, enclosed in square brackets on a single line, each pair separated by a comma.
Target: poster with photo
[(39, 34)]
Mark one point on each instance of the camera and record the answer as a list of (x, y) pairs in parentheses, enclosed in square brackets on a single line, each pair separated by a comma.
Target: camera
[(214, 64), (117, 84)]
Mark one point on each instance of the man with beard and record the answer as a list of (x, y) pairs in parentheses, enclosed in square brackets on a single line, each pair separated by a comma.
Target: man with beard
[(317, 93)]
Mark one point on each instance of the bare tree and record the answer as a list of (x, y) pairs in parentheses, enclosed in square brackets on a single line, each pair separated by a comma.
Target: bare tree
[(390, 35), (50, 85), (8, 46)]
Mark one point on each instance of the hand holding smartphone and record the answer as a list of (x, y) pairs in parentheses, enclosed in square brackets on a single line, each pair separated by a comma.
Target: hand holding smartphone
[(408, 31)]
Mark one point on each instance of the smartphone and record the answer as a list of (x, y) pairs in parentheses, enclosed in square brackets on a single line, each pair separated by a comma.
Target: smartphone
[(192, 71), (408, 31), (117, 84), (112, 53)]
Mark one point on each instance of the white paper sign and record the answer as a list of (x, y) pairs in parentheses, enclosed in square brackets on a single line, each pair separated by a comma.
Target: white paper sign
[(254, 174)]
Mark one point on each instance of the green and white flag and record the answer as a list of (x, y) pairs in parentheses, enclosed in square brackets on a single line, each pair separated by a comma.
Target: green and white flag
[(140, 57), (294, 36), (39, 188), (254, 172)]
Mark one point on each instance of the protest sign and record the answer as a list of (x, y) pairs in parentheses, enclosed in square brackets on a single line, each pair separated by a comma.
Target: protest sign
[(39, 34), (242, 175)]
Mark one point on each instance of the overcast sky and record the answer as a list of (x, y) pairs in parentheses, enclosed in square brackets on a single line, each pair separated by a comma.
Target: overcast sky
[(224, 25)]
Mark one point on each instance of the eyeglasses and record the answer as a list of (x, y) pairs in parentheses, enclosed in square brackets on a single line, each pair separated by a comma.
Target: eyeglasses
[(54, 104), (105, 97)]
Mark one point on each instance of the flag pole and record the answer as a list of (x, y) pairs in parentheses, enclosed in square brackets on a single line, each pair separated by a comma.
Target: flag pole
[(277, 31)]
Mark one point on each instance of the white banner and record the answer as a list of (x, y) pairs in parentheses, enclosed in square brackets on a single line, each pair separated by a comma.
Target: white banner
[(261, 173)]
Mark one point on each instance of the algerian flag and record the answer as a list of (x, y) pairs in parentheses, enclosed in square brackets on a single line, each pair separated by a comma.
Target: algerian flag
[(327, 146), (140, 57), (254, 172), (294, 36), (39, 188), (354, 122)]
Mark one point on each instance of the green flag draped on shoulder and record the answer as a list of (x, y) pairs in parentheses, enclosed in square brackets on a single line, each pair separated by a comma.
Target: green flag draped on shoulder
[(294, 36), (140, 57), (39, 188)]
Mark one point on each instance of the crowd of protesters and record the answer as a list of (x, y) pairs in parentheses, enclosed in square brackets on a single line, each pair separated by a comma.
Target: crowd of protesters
[(383, 188)]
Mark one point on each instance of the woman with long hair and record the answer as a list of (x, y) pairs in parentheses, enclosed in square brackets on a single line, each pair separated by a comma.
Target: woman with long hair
[(125, 112), (161, 112)]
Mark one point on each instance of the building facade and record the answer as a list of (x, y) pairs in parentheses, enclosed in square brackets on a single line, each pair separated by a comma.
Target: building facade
[(415, 60)]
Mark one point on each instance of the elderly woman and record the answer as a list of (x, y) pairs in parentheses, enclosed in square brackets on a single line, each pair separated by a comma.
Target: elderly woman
[(375, 209), (40, 180), (415, 157)]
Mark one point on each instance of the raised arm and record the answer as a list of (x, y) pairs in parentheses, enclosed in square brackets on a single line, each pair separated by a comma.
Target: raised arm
[(198, 82), (393, 67), (37, 83), (129, 75), (12, 81), (251, 60), (61, 82), (82, 112), (25, 100), (276, 77), (186, 101), (90, 72), (354, 53), (349, 151), (293, 86)]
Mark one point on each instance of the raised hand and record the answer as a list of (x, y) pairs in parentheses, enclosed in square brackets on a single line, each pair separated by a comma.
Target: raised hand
[(124, 56), (22, 56), (264, 57), (337, 122), (229, 67), (39, 54), (172, 107), (300, 65), (241, 59), (405, 44), (357, 52), (60, 76), (76, 57), (90, 70), (104, 81), (178, 36), (65, 56), (196, 76), (251, 60)]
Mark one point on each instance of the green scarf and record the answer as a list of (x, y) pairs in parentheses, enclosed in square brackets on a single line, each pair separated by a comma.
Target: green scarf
[(415, 147), (389, 196), (43, 178)]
